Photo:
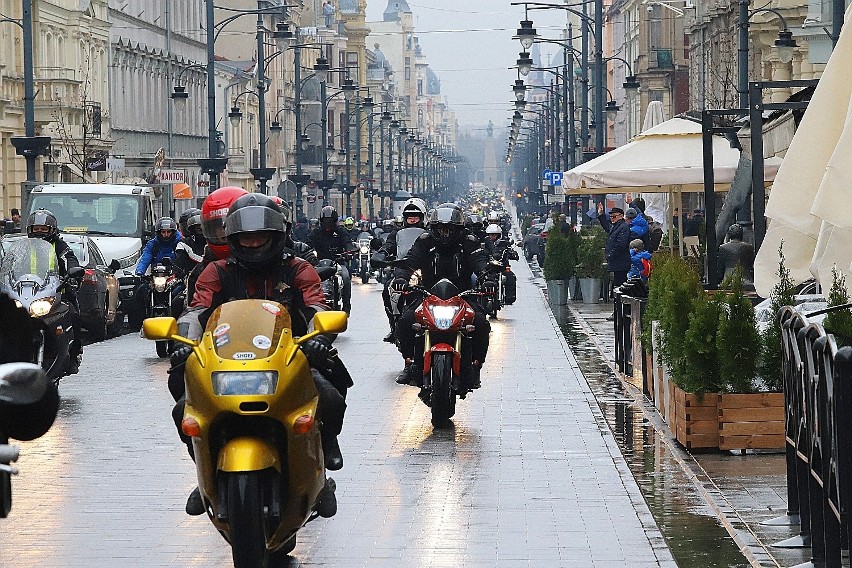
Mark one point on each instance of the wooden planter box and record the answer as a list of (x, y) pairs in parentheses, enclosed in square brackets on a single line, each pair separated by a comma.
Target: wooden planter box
[(696, 418), (751, 421)]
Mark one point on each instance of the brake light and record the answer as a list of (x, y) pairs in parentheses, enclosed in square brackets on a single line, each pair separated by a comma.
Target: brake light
[(543, 234), (89, 277)]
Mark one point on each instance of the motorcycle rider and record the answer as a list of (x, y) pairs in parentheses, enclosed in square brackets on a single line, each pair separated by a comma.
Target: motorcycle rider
[(445, 251), (414, 216), (330, 241), (262, 266), (184, 217), (497, 247), (41, 224), (162, 246)]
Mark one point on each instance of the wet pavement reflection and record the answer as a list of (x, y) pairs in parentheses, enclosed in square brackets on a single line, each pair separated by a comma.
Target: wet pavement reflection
[(692, 531)]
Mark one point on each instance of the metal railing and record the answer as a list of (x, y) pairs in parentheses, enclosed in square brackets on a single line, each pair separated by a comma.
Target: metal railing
[(630, 352), (817, 378)]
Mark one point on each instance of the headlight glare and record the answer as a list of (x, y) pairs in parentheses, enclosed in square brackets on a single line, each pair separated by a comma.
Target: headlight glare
[(41, 307), (235, 383), (444, 315), (160, 283)]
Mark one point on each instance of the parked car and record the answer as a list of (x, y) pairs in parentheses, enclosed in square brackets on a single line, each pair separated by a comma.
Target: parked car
[(804, 303), (534, 242), (98, 292)]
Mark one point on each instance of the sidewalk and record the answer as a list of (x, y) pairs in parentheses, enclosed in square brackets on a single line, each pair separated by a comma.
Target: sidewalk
[(741, 490)]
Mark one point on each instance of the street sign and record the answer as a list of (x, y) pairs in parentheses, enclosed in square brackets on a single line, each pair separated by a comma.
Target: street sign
[(115, 164), (546, 174), (556, 178), (555, 198), (172, 176)]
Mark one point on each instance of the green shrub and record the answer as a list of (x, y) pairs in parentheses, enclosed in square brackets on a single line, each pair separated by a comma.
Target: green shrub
[(701, 357), (681, 289), (590, 254), (771, 348), (737, 339), (559, 258), (838, 322)]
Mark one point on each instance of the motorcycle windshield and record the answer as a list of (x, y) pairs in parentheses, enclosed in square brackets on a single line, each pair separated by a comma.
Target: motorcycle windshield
[(247, 329), (405, 239), (28, 259), (365, 237)]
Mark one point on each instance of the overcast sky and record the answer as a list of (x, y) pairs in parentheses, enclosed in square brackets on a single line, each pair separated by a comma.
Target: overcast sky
[(468, 44)]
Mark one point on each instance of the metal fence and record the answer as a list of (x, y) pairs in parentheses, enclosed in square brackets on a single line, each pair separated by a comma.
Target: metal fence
[(630, 354), (818, 429)]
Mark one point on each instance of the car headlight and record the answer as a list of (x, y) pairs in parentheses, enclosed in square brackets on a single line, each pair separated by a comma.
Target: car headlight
[(234, 383), (41, 307), (160, 283), (444, 315)]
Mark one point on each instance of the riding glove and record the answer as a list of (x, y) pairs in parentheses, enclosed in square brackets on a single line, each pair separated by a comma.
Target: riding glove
[(319, 351)]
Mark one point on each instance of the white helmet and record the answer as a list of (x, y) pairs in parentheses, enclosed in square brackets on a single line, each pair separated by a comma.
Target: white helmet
[(415, 204), (493, 230)]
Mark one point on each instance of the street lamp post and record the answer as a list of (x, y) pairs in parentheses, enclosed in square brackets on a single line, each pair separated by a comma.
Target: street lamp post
[(29, 146)]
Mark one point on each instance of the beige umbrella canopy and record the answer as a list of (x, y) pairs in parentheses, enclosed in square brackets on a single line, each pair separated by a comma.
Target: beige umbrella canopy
[(668, 157), (809, 204)]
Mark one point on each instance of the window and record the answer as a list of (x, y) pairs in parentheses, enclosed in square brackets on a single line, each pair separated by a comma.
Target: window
[(419, 87), (352, 59)]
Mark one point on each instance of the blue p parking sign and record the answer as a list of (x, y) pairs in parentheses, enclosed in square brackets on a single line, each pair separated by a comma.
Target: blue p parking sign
[(556, 178)]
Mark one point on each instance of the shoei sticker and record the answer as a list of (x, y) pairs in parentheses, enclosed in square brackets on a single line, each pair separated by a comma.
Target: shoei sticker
[(261, 342), (244, 355), (221, 330), (271, 308), (223, 340)]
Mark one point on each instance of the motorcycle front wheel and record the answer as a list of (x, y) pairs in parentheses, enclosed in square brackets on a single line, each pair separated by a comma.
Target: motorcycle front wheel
[(246, 520), (365, 276), (443, 397)]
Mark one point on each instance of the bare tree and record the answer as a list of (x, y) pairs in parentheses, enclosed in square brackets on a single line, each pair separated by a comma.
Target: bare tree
[(84, 114)]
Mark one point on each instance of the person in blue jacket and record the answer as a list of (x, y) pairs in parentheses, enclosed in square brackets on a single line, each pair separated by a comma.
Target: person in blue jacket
[(160, 247), (639, 228), (640, 261)]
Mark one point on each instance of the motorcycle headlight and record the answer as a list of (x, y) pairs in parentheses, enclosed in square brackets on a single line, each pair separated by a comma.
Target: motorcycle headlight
[(365, 249), (444, 315), (160, 283), (235, 383), (41, 307)]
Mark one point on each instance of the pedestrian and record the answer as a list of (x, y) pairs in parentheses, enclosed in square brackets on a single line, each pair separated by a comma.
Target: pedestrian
[(328, 12), (638, 226), (617, 244), (16, 217), (640, 261), (655, 234)]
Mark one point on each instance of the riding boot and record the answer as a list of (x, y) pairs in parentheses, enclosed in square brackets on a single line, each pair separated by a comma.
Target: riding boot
[(195, 504)]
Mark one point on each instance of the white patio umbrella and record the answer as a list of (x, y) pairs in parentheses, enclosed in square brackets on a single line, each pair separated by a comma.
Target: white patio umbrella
[(656, 204), (809, 204), (668, 157)]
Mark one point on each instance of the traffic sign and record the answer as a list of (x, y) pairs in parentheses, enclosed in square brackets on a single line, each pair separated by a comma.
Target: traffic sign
[(546, 174), (556, 178)]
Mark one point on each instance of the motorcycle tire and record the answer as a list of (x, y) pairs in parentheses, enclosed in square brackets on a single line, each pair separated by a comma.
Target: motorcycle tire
[(365, 277), (100, 331), (5, 494), (162, 349), (443, 398), (528, 254), (281, 557), (247, 527)]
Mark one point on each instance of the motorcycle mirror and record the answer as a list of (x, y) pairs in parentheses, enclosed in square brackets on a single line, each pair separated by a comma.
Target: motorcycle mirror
[(326, 272), (76, 272)]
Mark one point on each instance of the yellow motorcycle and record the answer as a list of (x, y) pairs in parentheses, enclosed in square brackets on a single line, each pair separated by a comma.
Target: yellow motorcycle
[(251, 409)]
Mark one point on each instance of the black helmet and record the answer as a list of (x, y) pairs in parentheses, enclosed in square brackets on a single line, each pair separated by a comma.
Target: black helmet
[(193, 226), (256, 213), (446, 222), (185, 216), (165, 224), (42, 224), (475, 223), (328, 218)]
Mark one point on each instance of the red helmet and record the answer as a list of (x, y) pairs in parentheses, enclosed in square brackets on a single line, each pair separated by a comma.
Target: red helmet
[(213, 212)]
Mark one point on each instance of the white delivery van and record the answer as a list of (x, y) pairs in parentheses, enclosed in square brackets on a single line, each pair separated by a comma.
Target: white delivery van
[(119, 218)]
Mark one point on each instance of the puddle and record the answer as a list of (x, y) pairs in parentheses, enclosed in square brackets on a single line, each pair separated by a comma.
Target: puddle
[(691, 530)]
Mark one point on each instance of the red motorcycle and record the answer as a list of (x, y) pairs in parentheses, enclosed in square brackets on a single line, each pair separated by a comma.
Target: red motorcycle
[(444, 322)]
